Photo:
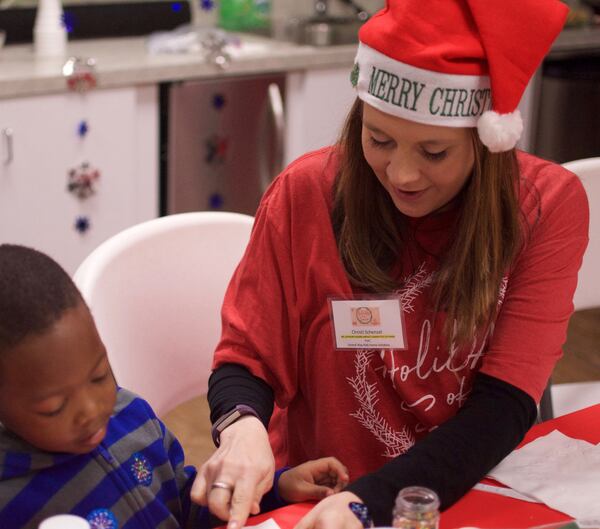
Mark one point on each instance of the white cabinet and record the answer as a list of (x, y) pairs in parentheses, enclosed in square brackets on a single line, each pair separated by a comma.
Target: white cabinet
[(36, 207), (317, 102)]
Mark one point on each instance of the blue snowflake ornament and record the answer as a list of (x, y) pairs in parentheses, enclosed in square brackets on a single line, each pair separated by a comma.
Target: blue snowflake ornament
[(82, 224), (219, 101), (82, 128), (207, 5), (216, 201)]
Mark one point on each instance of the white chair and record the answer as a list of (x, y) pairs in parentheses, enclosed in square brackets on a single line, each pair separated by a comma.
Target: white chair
[(568, 397), (155, 291)]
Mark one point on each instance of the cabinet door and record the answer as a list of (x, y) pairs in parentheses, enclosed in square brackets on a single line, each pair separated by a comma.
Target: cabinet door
[(121, 143), (317, 103)]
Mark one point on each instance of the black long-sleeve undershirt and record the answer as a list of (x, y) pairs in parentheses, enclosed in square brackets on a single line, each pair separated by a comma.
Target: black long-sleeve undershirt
[(450, 459), (233, 384), (456, 455)]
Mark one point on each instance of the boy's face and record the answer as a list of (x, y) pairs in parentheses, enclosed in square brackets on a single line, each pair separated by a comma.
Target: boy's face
[(57, 391)]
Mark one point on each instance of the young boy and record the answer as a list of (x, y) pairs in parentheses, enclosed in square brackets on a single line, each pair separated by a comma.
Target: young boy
[(71, 441)]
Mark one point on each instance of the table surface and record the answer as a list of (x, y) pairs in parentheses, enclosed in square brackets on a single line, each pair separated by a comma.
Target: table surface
[(484, 509)]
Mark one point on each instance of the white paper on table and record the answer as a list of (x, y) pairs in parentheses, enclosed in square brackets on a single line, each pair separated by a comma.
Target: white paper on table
[(589, 523), (503, 491), (267, 524), (562, 472)]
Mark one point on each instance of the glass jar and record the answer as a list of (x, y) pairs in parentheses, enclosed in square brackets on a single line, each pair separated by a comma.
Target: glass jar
[(416, 508)]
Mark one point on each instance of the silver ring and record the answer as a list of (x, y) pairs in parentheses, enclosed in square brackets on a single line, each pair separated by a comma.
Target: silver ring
[(222, 485)]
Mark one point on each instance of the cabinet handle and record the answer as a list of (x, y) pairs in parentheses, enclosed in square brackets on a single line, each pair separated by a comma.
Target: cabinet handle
[(7, 133), (276, 102), (276, 111)]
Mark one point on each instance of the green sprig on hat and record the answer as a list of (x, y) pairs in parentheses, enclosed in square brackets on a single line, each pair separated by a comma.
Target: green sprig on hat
[(354, 75)]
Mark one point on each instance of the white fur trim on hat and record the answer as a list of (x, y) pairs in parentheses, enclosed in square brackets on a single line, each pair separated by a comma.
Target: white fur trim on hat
[(500, 132), (416, 94)]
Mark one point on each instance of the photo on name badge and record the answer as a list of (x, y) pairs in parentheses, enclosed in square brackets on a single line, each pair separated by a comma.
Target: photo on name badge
[(362, 316)]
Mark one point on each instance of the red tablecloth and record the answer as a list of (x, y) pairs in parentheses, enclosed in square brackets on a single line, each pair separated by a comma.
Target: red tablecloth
[(484, 509)]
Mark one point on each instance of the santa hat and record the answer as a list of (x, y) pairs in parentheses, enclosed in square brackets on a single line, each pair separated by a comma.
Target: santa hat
[(456, 63)]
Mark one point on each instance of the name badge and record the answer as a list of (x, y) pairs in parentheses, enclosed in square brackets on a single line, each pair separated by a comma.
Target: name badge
[(367, 323)]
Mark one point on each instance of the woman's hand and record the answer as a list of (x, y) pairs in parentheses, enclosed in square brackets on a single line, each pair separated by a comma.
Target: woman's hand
[(332, 513), (233, 481), (313, 480)]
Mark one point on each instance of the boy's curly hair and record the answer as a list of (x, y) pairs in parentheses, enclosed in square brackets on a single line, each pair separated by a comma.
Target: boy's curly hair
[(35, 291)]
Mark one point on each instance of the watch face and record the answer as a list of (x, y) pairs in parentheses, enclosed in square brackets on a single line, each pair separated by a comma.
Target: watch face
[(229, 418), (233, 416)]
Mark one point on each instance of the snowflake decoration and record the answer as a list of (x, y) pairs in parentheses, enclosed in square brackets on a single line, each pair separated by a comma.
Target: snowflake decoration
[(216, 201), (216, 149), (207, 5), (219, 101), (83, 128), (102, 519), (176, 7), (82, 180), (141, 469), (82, 224)]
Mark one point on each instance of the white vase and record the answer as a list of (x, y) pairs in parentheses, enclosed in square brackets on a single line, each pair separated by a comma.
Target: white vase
[(49, 32)]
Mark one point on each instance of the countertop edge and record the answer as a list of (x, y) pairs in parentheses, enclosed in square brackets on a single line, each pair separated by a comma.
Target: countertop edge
[(125, 62)]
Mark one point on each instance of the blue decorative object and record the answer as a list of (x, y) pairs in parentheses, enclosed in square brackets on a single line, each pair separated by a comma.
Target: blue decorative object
[(361, 511), (207, 5), (102, 519), (216, 201), (68, 21), (83, 128), (219, 101), (176, 6), (141, 469), (82, 224), (216, 149)]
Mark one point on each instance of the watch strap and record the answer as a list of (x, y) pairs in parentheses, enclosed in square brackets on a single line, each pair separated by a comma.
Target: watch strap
[(228, 419)]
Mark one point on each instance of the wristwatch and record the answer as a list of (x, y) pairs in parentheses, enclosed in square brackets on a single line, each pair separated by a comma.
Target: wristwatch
[(228, 419)]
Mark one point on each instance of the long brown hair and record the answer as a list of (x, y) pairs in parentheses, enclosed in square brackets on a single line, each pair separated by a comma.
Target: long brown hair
[(370, 232)]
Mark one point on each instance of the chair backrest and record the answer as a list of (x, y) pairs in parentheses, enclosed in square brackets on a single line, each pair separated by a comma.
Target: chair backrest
[(587, 294), (155, 291)]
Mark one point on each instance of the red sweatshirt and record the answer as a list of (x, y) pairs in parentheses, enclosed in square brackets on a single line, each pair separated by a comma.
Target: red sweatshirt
[(368, 406)]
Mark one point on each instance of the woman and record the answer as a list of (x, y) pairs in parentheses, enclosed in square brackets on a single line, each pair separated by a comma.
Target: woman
[(405, 294)]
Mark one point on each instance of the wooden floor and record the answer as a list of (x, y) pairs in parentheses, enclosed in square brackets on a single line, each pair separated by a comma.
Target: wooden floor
[(581, 362)]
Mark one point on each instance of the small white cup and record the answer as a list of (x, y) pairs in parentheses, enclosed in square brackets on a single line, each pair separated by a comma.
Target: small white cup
[(64, 521)]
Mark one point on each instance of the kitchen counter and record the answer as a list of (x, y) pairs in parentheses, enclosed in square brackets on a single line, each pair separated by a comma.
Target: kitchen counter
[(125, 61), (576, 41)]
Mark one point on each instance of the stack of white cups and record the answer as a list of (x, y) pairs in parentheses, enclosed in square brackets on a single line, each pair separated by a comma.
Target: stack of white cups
[(49, 32)]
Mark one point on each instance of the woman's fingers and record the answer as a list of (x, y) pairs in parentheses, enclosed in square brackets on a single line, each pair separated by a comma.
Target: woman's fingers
[(234, 479), (219, 500), (198, 492), (242, 502)]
